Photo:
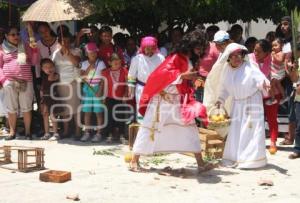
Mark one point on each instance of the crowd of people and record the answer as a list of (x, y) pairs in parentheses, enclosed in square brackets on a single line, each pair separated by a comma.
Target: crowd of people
[(92, 85)]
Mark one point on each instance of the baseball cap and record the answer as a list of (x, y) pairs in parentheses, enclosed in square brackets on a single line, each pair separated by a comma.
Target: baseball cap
[(221, 36), (91, 47)]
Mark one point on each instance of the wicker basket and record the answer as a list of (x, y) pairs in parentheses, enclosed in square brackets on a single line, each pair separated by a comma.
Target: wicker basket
[(215, 125)]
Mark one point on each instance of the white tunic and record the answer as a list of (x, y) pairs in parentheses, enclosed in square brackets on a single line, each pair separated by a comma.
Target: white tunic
[(45, 52), (140, 69), (171, 134), (67, 71), (245, 144)]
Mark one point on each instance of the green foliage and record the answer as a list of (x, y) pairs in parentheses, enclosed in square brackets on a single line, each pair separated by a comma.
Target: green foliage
[(145, 16), (142, 17), (3, 5)]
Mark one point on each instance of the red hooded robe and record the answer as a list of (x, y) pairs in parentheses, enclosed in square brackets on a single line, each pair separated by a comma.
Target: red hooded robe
[(166, 73)]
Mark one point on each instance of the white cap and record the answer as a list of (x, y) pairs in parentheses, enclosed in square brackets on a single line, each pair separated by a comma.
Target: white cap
[(221, 36)]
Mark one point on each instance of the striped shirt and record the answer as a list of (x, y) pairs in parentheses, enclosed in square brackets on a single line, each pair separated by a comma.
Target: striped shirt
[(10, 69)]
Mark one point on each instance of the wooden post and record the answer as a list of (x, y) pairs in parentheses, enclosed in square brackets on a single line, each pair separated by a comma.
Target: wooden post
[(7, 154), (39, 158), (20, 160)]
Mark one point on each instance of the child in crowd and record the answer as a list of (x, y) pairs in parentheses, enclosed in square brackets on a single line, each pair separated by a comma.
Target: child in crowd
[(277, 67), (107, 48), (116, 77), (49, 97), (92, 91)]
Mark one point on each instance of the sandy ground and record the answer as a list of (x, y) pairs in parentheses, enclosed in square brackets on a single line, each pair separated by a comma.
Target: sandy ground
[(105, 178)]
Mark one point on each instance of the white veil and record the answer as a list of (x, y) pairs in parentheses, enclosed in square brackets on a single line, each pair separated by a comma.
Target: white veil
[(214, 78)]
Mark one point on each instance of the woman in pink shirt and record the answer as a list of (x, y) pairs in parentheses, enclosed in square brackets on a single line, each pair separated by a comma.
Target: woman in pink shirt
[(208, 59), (16, 59), (209, 54)]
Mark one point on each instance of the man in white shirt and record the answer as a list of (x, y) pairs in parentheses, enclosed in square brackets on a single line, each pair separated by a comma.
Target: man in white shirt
[(47, 45), (142, 65)]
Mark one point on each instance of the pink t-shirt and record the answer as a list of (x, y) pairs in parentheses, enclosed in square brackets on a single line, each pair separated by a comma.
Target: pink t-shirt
[(10, 69), (208, 60), (264, 67)]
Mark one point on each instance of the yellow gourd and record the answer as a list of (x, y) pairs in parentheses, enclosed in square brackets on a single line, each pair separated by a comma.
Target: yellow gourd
[(214, 118), (221, 117), (128, 157)]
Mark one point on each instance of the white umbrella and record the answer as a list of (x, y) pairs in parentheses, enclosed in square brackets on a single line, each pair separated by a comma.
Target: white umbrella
[(57, 10)]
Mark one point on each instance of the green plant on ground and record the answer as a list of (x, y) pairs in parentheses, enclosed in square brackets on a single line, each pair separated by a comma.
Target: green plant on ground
[(106, 152), (157, 160)]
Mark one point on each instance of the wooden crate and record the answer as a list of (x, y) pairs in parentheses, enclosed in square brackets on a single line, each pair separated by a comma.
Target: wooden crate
[(5, 155), (132, 132), (55, 176), (27, 158), (212, 144)]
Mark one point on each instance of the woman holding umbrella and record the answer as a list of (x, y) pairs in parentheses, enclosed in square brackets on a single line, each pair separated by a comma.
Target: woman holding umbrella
[(67, 62)]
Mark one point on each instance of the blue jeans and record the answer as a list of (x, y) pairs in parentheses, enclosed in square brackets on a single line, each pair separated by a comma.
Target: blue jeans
[(289, 91), (297, 136), (291, 107)]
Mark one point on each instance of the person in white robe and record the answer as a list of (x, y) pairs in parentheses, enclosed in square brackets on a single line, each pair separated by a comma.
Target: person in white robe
[(212, 82), (142, 65), (244, 82)]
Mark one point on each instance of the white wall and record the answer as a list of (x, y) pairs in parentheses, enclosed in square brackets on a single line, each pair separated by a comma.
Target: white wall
[(257, 29)]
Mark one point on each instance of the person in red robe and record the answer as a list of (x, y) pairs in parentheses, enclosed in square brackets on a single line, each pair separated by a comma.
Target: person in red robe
[(169, 108)]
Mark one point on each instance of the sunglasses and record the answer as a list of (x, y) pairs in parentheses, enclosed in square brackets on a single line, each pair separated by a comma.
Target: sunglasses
[(14, 34)]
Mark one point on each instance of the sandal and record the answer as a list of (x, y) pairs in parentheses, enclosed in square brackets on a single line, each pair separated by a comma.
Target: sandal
[(206, 167), (10, 137), (286, 142), (294, 155), (135, 167)]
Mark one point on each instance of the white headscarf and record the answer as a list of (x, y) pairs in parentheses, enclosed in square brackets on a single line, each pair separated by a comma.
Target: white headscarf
[(9, 48), (214, 78), (229, 50)]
